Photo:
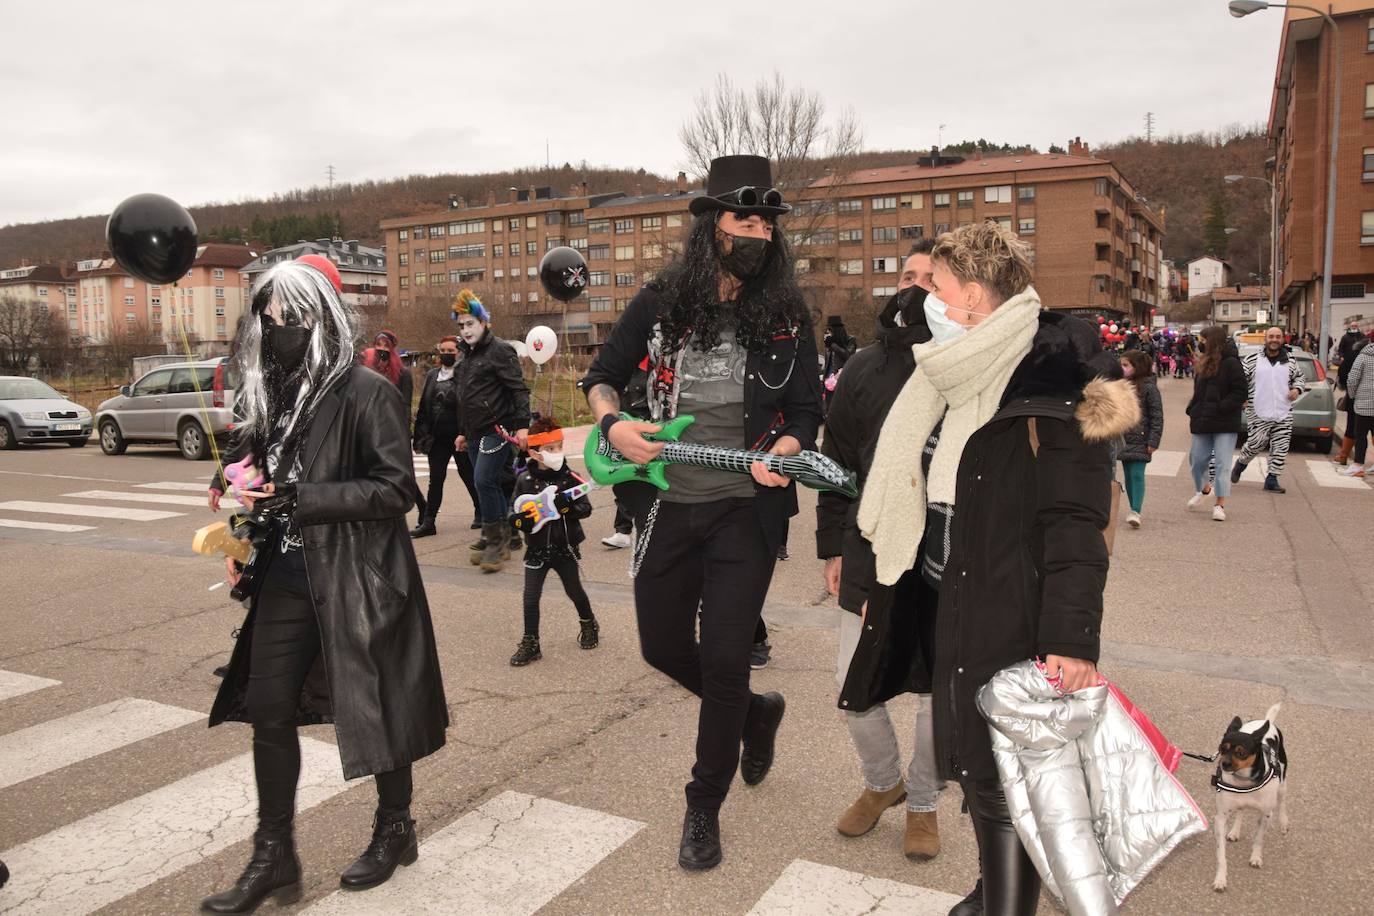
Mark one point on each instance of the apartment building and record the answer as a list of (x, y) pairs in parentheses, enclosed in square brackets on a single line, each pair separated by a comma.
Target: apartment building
[(361, 268), (1300, 119), (44, 283), (1236, 308), (110, 301), (1097, 245)]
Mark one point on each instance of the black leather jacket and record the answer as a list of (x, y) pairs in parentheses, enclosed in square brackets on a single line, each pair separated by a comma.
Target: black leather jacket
[(377, 676), (491, 388)]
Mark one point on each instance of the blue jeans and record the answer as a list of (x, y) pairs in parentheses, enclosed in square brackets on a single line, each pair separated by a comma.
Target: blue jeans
[(490, 455), (1204, 446)]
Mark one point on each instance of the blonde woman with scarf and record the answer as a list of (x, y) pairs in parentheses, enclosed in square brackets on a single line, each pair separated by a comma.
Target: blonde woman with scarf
[(992, 478)]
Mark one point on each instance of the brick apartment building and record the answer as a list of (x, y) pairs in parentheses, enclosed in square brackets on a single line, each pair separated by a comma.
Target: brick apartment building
[(1299, 130), (1097, 246), (45, 283)]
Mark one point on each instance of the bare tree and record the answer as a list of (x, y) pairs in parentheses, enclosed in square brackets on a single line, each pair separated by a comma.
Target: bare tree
[(24, 327)]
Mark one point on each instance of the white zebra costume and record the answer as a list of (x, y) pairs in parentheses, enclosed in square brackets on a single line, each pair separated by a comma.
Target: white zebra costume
[(1272, 431)]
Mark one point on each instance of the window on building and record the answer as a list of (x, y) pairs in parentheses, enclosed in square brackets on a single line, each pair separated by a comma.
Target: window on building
[(850, 206), (1245, 308), (1026, 193), (553, 218), (883, 204), (219, 292), (532, 297), (218, 273), (1100, 187), (941, 229), (852, 266), (621, 304), (1025, 227), (1367, 227), (625, 225), (851, 236), (599, 303), (651, 251), (997, 194), (553, 241), (403, 259), (598, 252), (883, 234), (156, 302), (405, 281), (912, 201), (514, 297), (599, 278), (128, 300), (1369, 36), (964, 199), (513, 224), (1368, 170), (624, 252), (468, 227), (578, 244), (438, 256), (403, 235), (437, 232), (532, 221), (531, 247), (674, 220), (531, 271), (420, 280), (1226, 310), (598, 225), (498, 251), (884, 292), (913, 232), (885, 265), (499, 273), (576, 218), (942, 198), (624, 279), (651, 223), (219, 311), (497, 225), (43, 291), (128, 282)]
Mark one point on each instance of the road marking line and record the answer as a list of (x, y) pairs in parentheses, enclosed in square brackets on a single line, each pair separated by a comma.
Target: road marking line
[(111, 854), (171, 485), (807, 887), (42, 526), (163, 499), (509, 857), (65, 477), (133, 515), (1327, 474), (58, 743), (14, 684), (1165, 464)]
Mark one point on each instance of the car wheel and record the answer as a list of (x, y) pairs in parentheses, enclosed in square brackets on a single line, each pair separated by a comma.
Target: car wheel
[(7, 440), (191, 439), (1325, 446), (111, 439)]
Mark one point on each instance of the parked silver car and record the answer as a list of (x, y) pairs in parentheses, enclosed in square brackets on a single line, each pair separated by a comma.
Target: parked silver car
[(1314, 412), (31, 411), (163, 406)]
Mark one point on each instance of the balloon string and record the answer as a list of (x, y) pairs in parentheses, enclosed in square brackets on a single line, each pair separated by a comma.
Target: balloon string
[(200, 395)]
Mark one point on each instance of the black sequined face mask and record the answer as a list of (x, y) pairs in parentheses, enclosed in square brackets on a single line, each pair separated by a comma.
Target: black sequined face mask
[(285, 345)]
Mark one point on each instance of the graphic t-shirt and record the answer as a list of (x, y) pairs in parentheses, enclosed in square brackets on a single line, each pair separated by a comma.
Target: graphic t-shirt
[(711, 390)]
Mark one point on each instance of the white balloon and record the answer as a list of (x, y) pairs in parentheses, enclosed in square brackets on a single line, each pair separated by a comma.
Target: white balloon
[(521, 350), (542, 342), (1113, 329)]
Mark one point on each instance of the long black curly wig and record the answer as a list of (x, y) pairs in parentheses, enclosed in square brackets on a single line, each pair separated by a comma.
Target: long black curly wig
[(690, 292)]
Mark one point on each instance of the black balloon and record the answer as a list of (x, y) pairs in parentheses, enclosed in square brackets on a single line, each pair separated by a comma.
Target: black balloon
[(563, 273), (152, 237)]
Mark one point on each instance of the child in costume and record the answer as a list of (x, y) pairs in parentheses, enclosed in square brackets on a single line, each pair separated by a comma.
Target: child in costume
[(553, 546)]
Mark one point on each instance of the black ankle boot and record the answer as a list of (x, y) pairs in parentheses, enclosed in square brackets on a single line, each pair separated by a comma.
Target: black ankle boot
[(760, 736), (393, 843), (972, 905), (589, 637), (273, 871), (700, 839), (424, 529), (526, 652)]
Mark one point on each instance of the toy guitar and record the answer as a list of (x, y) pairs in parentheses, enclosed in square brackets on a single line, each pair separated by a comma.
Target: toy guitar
[(244, 538), (533, 511), (608, 466)]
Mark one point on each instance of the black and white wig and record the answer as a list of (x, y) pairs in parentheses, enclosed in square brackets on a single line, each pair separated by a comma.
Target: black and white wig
[(301, 296)]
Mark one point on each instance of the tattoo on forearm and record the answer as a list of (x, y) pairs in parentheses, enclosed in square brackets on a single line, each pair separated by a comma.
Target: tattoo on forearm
[(603, 399)]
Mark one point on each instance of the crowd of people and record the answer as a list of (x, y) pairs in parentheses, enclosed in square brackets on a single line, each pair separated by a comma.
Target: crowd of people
[(984, 427)]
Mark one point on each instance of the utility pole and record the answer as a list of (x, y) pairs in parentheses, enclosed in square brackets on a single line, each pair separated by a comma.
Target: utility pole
[(1149, 127), (329, 172)]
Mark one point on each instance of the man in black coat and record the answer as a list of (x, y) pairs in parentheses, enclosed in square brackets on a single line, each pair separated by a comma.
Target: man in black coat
[(862, 397)]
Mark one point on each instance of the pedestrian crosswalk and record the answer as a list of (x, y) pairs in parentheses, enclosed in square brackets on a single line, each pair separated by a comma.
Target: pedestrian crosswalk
[(82, 510), (1322, 471), (510, 856)]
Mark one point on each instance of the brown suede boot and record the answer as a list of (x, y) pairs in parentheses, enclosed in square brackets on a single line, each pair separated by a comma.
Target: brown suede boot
[(497, 547), (922, 840), (862, 816), (1347, 446)]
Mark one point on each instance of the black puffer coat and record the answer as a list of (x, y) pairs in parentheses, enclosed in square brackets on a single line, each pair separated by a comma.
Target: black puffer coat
[(1146, 434), (377, 676), (491, 388), (1219, 399)]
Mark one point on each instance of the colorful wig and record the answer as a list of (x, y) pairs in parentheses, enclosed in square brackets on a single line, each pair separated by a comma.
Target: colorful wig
[(468, 304)]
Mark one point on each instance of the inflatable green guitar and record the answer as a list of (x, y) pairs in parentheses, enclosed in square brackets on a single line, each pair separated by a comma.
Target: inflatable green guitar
[(607, 466)]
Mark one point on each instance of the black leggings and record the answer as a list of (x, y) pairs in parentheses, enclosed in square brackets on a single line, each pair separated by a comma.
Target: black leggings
[(439, 453), (536, 571), (1362, 429), (286, 641), (1011, 885)]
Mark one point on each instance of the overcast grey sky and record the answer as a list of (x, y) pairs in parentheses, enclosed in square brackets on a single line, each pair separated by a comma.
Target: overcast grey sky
[(222, 101)]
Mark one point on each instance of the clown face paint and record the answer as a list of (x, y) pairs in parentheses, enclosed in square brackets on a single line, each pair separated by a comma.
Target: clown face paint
[(470, 329)]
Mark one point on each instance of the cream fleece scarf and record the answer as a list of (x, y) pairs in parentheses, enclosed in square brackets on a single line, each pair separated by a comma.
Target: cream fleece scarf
[(962, 380)]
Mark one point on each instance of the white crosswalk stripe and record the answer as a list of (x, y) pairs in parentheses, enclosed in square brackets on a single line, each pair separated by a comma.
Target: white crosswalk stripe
[(31, 752), (14, 684), (174, 485), (88, 511), (1165, 464), (822, 890), (164, 499), (508, 858), (42, 526), (100, 859), (1326, 473)]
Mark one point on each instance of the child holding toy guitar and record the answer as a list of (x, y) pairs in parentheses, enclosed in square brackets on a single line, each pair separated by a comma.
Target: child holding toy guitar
[(554, 545)]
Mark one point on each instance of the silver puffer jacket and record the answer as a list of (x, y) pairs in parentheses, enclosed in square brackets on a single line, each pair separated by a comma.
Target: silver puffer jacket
[(1087, 784)]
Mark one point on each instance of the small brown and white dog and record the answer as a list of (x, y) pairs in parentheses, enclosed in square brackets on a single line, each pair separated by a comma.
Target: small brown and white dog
[(1252, 773)]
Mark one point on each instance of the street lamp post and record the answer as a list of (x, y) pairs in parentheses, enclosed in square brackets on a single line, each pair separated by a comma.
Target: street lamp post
[(1273, 241), (1241, 8)]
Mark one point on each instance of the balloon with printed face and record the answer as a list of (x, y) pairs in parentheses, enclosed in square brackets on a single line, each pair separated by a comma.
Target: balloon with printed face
[(563, 273), (521, 350), (152, 237), (542, 342)]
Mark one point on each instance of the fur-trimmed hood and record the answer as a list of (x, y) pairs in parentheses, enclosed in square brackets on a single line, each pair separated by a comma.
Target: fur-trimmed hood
[(1109, 409)]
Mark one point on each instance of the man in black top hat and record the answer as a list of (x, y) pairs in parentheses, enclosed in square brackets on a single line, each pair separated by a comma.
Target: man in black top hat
[(729, 341)]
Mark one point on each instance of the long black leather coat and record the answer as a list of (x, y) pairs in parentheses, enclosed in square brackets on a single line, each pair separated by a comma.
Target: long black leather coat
[(377, 676)]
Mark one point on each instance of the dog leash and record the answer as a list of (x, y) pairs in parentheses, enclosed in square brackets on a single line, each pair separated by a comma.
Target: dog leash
[(1204, 758)]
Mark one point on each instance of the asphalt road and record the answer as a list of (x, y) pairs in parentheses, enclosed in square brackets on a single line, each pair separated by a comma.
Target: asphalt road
[(561, 785)]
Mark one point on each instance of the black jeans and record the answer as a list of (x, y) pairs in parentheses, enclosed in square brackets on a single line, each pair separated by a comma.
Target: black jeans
[(713, 557), (286, 642), (536, 571), (440, 451), (1363, 428), (1011, 885), (624, 521)]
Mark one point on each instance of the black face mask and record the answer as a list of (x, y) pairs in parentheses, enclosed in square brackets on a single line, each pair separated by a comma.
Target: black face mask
[(448, 359), (911, 303), (384, 355), (747, 256), (285, 345)]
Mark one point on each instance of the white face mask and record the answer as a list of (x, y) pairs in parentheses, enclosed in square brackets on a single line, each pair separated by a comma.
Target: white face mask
[(943, 329), (551, 460)]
